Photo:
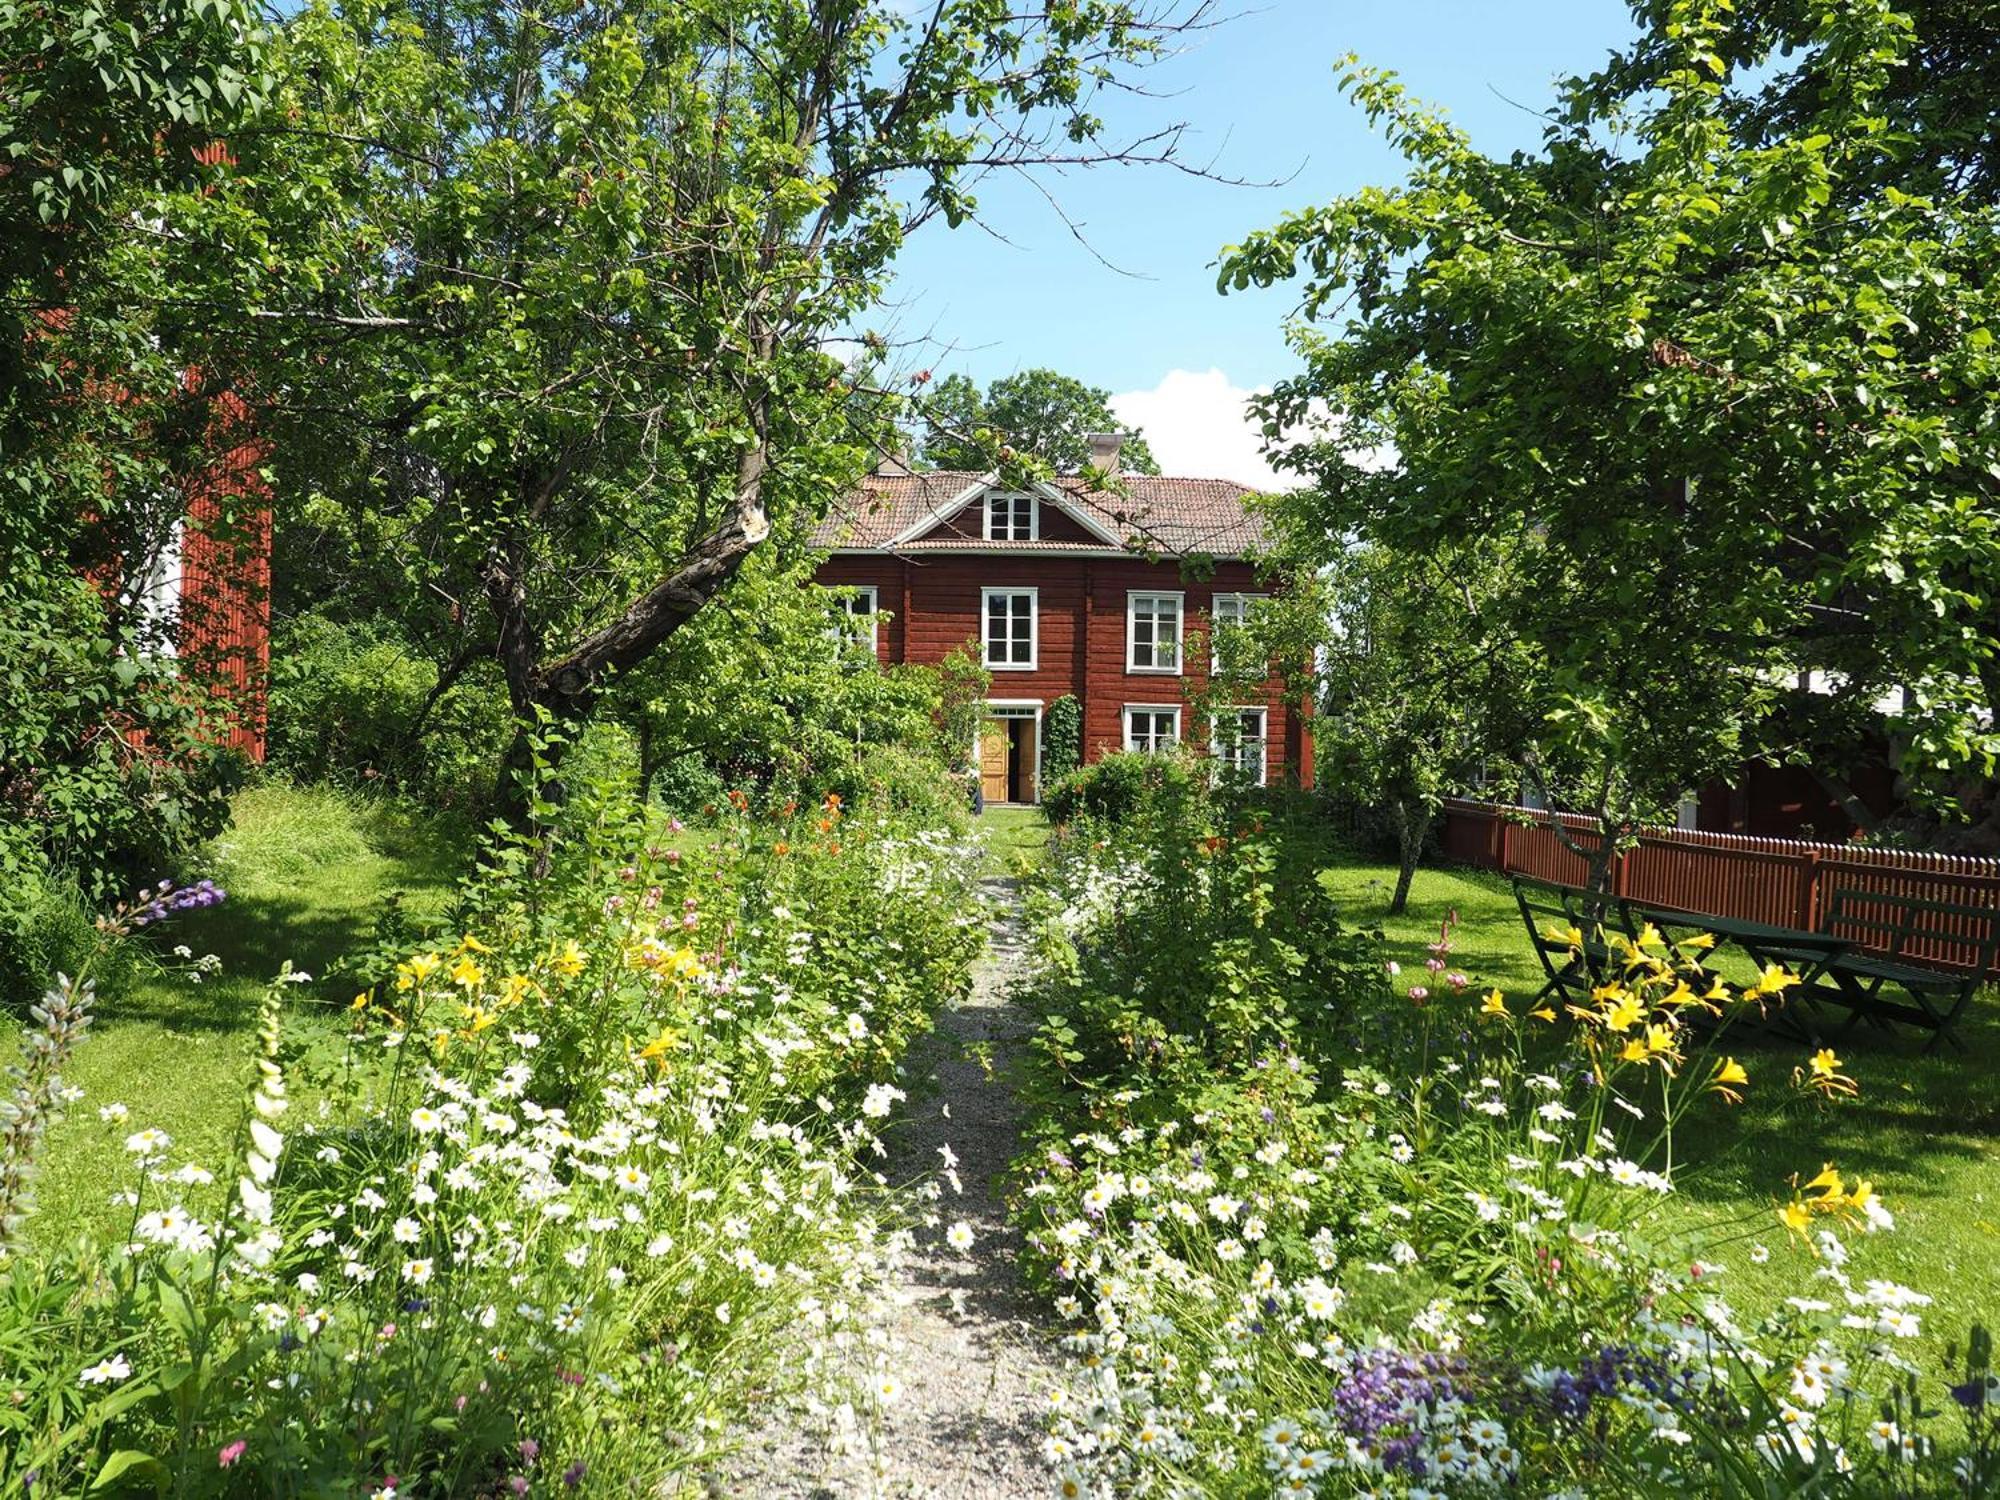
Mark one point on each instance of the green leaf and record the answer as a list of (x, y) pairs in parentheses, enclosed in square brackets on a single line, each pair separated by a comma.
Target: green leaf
[(129, 1469)]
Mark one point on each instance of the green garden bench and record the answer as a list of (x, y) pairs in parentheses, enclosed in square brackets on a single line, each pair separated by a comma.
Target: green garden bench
[(1889, 927), (1547, 910)]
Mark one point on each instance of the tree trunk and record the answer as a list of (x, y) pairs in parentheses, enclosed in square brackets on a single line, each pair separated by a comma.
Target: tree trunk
[(649, 760), (1410, 831), (1836, 787), (560, 695)]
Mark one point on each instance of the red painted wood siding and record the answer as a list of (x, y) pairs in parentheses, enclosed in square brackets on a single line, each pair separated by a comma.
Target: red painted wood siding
[(1081, 649), (225, 604)]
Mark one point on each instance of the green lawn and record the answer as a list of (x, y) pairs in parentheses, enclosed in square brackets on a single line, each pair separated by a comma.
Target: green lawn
[(1925, 1129), (1014, 836), (308, 872)]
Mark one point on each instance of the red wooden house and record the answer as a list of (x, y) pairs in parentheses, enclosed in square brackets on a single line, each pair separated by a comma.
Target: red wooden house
[(207, 589), (1067, 590)]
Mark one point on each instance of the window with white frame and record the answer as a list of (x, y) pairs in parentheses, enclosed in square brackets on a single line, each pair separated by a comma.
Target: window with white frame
[(1240, 741), (1008, 628), (1153, 632), (1012, 517), (157, 599), (1151, 727), (1227, 612), (862, 623)]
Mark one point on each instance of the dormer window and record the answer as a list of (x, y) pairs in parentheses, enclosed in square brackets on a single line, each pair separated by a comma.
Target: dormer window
[(1012, 516)]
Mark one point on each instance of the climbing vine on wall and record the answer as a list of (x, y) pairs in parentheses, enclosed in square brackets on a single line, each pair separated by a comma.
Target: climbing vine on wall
[(1062, 749)]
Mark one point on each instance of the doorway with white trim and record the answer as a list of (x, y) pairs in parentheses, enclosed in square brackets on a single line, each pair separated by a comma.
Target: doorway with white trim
[(1010, 752)]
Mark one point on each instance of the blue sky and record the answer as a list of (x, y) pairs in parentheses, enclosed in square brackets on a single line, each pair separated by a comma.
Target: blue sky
[(1259, 93)]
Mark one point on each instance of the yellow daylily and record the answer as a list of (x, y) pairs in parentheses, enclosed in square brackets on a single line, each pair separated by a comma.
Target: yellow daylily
[(1495, 1005), (1569, 937), (1794, 1217), (1830, 1189), (570, 959), (415, 969), (1701, 941), (1825, 1074), (471, 944), (657, 1049), (1634, 1051), (467, 973), (361, 1001), (1680, 994), (515, 988), (1775, 980), (1544, 1013), (1625, 1014), (1729, 1080)]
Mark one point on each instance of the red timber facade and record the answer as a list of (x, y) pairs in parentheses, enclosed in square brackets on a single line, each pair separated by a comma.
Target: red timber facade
[(1071, 591), (222, 606)]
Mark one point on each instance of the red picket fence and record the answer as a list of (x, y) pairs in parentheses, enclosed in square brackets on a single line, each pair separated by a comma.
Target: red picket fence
[(1783, 882)]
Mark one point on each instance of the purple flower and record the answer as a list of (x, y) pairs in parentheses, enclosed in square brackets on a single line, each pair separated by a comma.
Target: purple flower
[(573, 1475), (530, 1450), (1972, 1395), (166, 900)]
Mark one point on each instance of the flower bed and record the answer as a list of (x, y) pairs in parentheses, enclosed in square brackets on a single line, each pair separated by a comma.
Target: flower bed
[(1321, 1229), (575, 1191)]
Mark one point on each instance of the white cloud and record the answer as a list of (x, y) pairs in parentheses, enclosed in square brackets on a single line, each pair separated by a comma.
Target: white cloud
[(1198, 426)]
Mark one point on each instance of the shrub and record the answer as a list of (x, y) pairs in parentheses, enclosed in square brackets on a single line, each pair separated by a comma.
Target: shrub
[(1117, 785), (353, 703), (111, 764), (686, 784)]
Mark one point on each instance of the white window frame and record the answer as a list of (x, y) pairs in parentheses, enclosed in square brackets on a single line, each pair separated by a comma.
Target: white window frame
[(1033, 596), (156, 598), (849, 630), (1231, 755), (1132, 598), (1010, 501), (1130, 709), (1242, 603)]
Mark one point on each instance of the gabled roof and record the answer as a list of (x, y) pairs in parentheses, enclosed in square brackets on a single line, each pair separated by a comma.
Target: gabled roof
[(1176, 517)]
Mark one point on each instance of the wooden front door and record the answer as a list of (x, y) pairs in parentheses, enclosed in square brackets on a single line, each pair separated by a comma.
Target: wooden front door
[(993, 760), (1024, 760)]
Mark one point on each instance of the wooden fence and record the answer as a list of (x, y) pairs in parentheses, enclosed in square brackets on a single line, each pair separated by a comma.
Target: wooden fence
[(1783, 882)]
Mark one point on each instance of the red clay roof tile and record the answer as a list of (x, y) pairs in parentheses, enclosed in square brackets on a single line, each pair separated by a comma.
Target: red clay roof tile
[(1180, 517)]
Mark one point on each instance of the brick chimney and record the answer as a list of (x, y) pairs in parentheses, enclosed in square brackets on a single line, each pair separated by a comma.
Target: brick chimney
[(894, 461), (1104, 448)]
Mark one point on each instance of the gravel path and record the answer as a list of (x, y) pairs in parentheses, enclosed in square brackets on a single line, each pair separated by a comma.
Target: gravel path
[(968, 1344)]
